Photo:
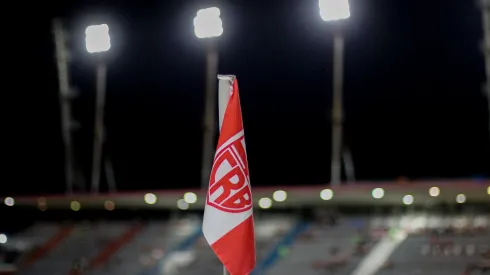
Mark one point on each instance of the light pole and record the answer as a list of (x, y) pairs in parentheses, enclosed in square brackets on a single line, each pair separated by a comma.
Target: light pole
[(208, 26), (65, 96), (485, 8), (333, 10), (98, 41)]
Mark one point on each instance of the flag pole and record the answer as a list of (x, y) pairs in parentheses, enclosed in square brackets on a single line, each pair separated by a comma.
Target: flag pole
[(224, 88), (209, 112)]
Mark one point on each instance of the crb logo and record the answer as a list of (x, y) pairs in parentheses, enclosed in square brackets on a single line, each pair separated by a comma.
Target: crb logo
[(229, 189)]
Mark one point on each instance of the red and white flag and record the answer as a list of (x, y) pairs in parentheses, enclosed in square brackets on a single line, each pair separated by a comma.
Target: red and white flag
[(228, 224)]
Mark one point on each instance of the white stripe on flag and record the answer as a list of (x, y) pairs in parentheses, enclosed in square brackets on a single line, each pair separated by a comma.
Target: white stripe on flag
[(218, 223)]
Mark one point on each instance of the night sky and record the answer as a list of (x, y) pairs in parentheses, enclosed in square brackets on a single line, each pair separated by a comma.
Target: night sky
[(413, 100)]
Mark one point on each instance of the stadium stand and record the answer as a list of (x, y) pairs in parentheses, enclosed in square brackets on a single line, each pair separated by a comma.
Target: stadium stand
[(268, 231), (325, 248), (452, 245), (28, 246), (40, 233), (449, 245), (290, 240), (450, 253), (150, 247), (78, 249)]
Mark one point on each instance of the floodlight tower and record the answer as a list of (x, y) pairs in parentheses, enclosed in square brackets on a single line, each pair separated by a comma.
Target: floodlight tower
[(97, 42), (208, 26), (66, 94), (485, 9), (334, 10)]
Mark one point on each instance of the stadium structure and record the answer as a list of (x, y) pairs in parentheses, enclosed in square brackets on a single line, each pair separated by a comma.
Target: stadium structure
[(436, 227)]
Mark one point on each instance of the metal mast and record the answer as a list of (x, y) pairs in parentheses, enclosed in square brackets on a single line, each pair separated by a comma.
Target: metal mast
[(485, 9), (65, 96)]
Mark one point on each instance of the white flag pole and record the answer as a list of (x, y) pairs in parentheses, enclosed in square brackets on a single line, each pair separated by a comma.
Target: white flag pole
[(224, 90), (225, 87)]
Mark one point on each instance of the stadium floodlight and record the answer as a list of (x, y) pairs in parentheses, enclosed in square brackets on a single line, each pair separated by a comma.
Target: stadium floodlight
[(378, 193), (150, 198), (182, 204), (190, 197), (98, 41), (3, 238), (408, 199), (280, 195), (326, 194), (97, 38), (488, 190), (461, 198), (207, 23), (75, 206), (331, 10), (9, 201), (109, 205), (265, 203), (434, 191)]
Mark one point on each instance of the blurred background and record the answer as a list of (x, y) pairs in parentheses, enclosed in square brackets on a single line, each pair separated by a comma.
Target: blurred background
[(367, 126)]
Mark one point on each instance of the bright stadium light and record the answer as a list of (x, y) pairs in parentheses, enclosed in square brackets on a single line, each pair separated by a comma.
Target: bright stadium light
[(97, 38), (150, 198), (3, 238), (326, 194), (334, 9), (488, 190), (75, 206), (182, 204), (434, 191), (280, 195), (265, 203), (9, 201), (109, 205), (190, 197), (408, 199), (207, 23), (461, 198), (378, 193)]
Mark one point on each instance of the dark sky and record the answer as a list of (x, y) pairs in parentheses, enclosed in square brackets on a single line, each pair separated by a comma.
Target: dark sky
[(413, 98)]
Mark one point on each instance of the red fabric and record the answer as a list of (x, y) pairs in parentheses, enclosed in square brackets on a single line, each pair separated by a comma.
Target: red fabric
[(232, 120), (236, 249)]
